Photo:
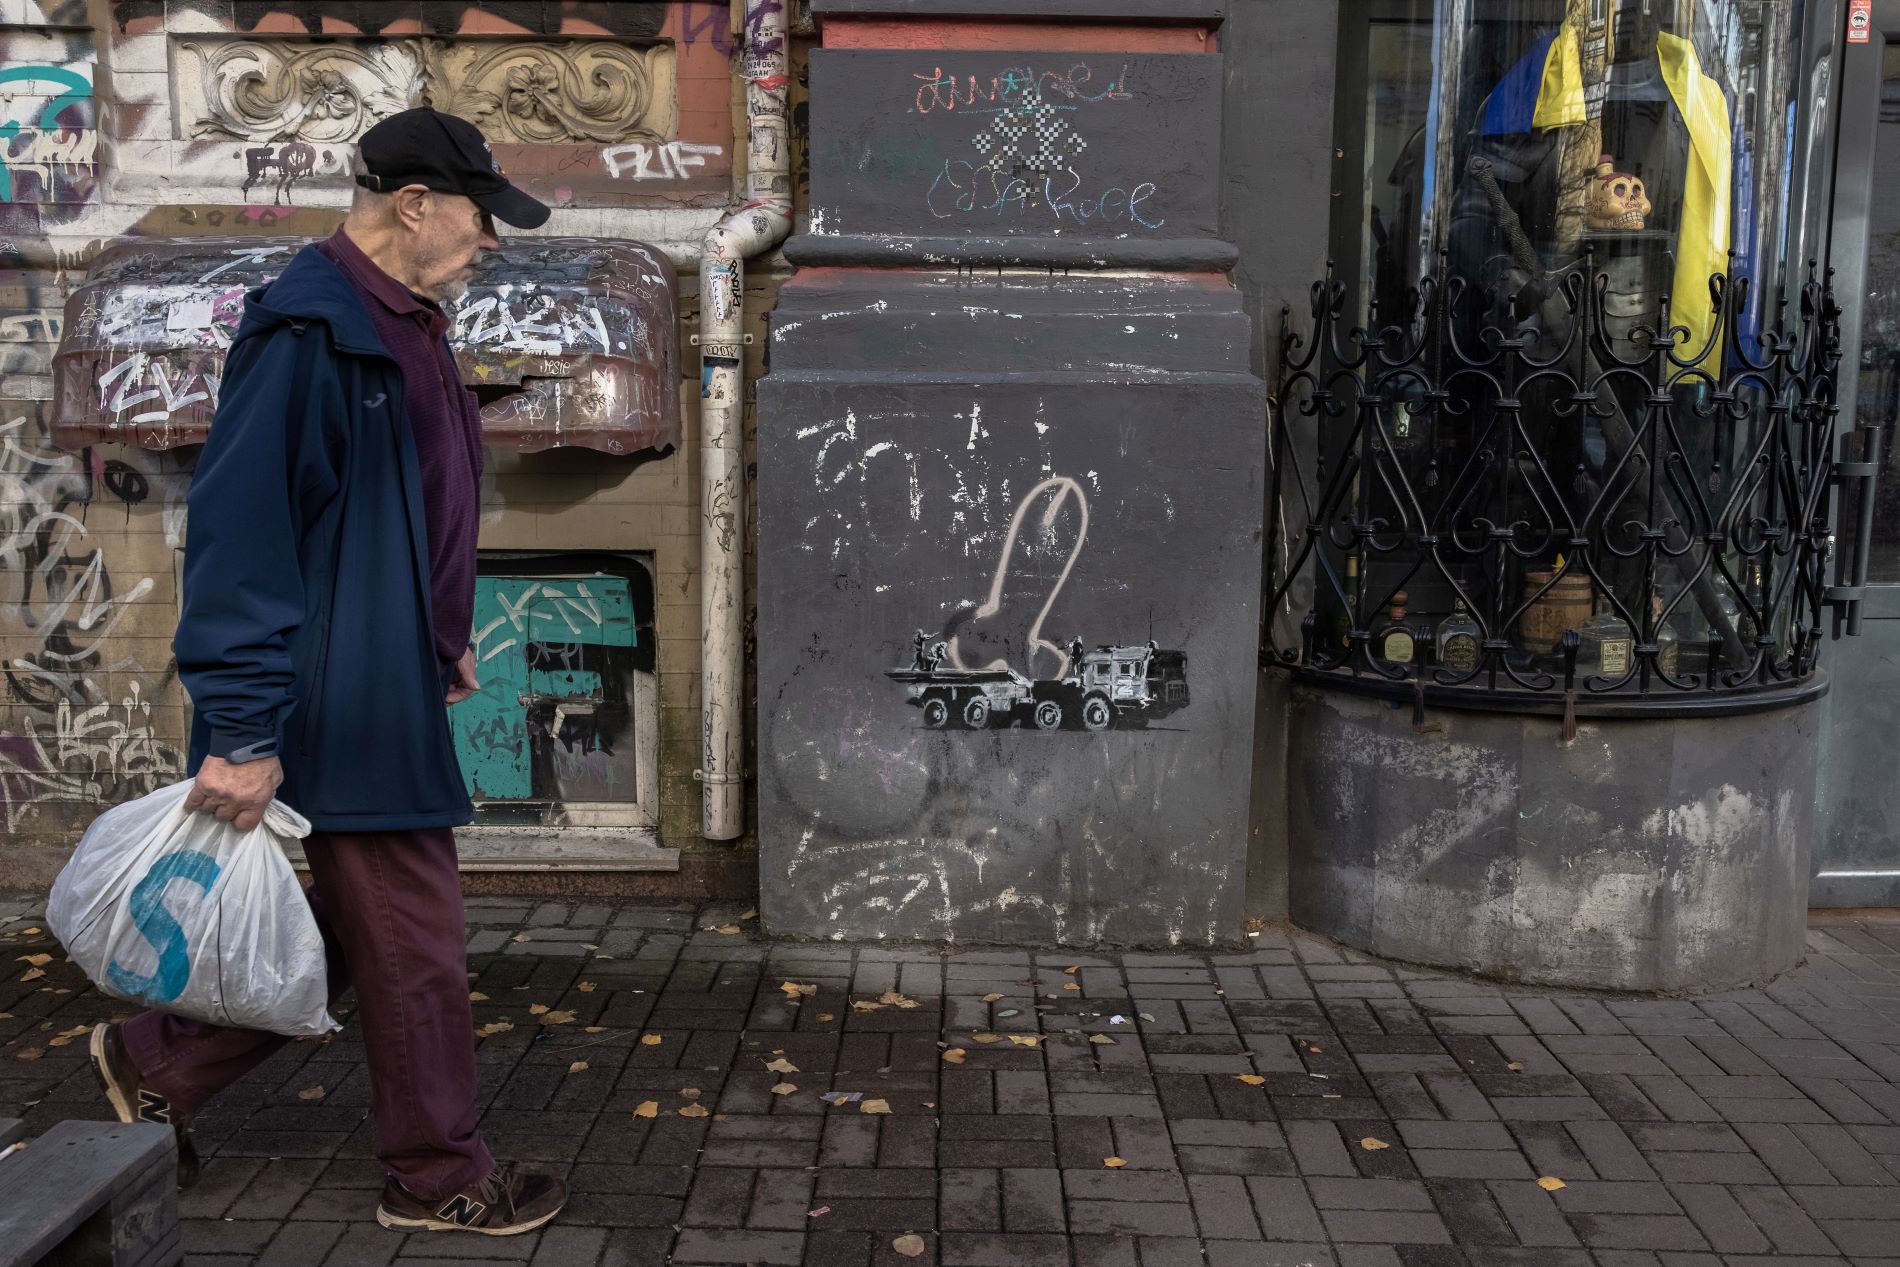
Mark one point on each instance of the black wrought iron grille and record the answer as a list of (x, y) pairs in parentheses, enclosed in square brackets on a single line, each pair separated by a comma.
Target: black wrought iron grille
[(1573, 500)]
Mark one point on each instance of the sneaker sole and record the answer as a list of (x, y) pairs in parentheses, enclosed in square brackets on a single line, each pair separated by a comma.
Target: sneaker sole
[(115, 1094), (402, 1223)]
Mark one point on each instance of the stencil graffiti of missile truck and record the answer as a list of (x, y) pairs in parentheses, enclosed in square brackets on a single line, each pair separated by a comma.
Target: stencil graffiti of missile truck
[(1109, 686)]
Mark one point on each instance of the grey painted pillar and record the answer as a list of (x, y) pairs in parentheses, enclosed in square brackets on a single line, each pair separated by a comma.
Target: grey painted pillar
[(1010, 489)]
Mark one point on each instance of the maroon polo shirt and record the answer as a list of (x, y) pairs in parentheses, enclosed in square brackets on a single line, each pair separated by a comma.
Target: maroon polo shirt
[(447, 426)]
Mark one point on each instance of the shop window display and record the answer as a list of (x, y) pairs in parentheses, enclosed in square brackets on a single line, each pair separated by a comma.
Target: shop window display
[(1564, 401)]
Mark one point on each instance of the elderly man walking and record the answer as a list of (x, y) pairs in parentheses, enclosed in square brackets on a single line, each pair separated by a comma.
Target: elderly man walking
[(328, 593)]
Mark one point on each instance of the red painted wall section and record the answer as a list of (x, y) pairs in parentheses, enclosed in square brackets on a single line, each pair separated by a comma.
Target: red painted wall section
[(988, 35)]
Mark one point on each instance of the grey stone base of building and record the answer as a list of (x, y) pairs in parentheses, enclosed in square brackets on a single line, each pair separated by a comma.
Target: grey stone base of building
[(1663, 855)]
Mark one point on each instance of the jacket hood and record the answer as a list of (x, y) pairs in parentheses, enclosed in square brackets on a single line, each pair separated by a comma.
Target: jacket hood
[(311, 288)]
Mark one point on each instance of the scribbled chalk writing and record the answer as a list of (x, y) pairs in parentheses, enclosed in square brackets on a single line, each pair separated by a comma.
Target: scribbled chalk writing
[(1013, 87), (670, 160), (964, 187)]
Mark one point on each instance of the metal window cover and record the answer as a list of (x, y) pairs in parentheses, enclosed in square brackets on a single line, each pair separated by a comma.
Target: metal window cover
[(567, 341)]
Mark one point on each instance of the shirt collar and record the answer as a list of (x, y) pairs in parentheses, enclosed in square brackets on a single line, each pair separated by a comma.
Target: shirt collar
[(389, 292)]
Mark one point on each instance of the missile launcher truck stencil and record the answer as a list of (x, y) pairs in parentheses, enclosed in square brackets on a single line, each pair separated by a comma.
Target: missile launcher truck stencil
[(1124, 687)]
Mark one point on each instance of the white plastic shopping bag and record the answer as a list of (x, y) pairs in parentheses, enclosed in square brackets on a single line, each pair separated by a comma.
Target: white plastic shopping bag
[(185, 913)]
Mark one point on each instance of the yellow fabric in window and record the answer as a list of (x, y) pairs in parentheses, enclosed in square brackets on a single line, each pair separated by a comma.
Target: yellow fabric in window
[(1703, 239), (1560, 93)]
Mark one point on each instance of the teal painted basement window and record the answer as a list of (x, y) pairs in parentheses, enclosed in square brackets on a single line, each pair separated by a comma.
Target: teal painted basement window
[(564, 726)]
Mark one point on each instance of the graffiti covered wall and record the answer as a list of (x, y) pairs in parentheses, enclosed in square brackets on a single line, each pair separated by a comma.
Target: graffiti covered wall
[(145, 119)]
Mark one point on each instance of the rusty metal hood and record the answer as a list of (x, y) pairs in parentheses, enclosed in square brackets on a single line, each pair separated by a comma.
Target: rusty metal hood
[(566, 342)]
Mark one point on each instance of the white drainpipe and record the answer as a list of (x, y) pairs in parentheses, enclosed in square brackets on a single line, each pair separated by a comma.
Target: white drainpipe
[(759, 224)]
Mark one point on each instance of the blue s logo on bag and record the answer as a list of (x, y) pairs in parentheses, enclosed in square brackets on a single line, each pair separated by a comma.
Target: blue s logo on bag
[(159, 928)]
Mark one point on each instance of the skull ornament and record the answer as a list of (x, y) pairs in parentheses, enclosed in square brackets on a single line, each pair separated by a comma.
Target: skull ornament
[(1617, 200)]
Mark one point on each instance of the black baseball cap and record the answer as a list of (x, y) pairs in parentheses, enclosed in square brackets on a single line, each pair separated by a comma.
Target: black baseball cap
[(447, 154)]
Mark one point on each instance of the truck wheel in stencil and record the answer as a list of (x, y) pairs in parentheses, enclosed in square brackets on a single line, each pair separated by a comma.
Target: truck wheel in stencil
[(1096, 713), (976, 713), (1049, 715), (936, 713)]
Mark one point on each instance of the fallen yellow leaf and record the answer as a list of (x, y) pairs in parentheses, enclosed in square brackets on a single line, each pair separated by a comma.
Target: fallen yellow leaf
[(37, 960), (1251, 1079), (954, 1056), (28, 932), (727, 929), (476, 996), (28, 1053), (312, 1093), (1515, 1066), (537, 1009), (1072, 969), (751, 914), (577, 1066), (594, 1029), (1072, 986), (650, 1040), (864, 1005), (1372, 1145), (826, 1016), (495, 1027), (689, 1093), (519, 937), (910, 1246), (32, 974), (1312, 1049), (1114, 1163), (783, 1088), (585, 987), (796, 990), (1549, 1183), (895, 999), (991, 997), (558, 1018), (781, 1065), (987, 1038), (647, 1108), (1102, 1039), (874, 1106), (66, 1036), (1025, 1040), (695, 1110)]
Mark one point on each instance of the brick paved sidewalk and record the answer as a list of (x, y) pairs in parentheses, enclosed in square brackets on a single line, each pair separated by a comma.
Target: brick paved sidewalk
[(1295, 1104)]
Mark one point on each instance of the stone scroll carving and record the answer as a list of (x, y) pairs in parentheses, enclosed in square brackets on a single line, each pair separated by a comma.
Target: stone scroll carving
[(535, 92), (532, 91), (285, 90)]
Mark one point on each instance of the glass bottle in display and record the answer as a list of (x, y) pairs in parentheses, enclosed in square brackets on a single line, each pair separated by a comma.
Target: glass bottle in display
[(1458, 639), (1394, 637), (1606, 645)]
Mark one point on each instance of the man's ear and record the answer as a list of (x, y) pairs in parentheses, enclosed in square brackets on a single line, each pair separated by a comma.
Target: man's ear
[(412, 205)]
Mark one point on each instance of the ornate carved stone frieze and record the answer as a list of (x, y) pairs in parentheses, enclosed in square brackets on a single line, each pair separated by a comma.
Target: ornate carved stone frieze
[(557, 91), (516, 91), (290, 90)]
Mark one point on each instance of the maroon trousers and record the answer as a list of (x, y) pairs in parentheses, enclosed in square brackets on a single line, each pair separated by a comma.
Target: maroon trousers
[(390, 908)]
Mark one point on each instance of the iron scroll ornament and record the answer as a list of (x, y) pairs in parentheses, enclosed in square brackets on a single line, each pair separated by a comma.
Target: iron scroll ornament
[(1507, 439)]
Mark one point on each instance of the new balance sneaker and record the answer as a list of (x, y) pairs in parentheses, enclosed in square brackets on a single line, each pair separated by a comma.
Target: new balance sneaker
[(135, 1102), (506, 1203)]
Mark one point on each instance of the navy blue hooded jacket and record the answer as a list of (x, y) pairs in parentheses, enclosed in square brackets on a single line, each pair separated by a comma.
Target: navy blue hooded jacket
[(305, 622)]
